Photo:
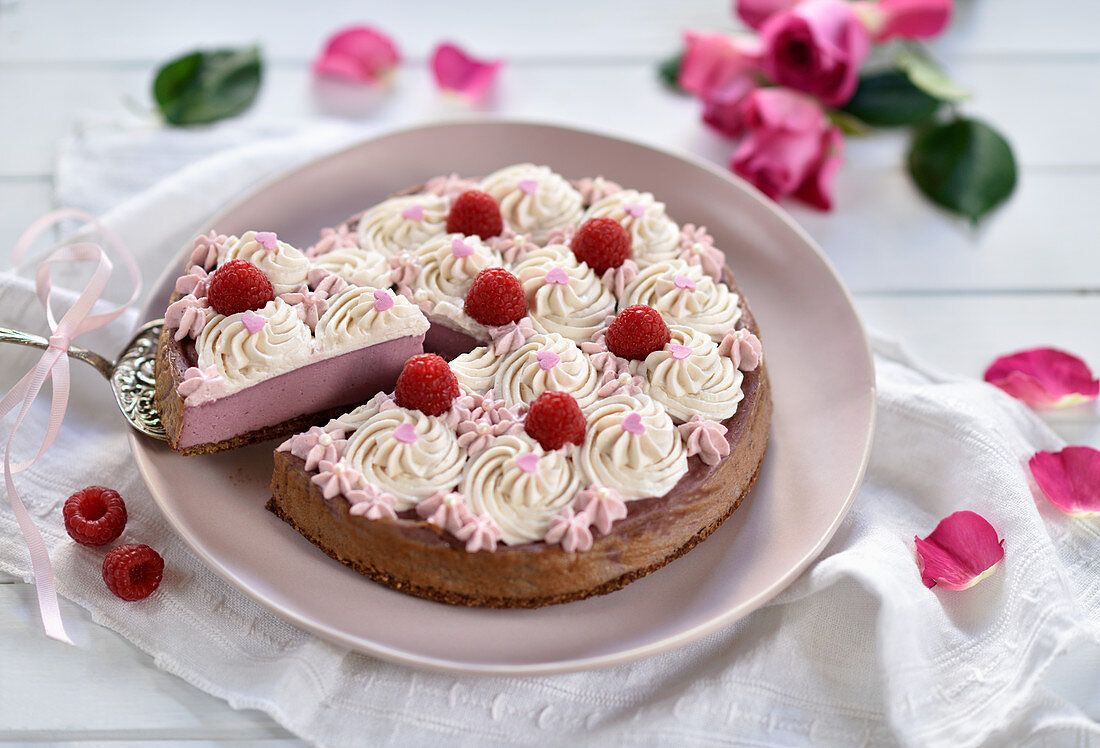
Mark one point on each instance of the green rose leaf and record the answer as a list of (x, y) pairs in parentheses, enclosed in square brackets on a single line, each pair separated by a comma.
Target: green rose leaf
[(890, 99), (203, 87), (925, 75), (963, 165), (669, 72)]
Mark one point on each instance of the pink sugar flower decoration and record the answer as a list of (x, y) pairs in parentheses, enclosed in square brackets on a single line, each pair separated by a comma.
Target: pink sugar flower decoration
[(1044, 378), (362, 54), (458, 72), (1070, 479), (963, 550)]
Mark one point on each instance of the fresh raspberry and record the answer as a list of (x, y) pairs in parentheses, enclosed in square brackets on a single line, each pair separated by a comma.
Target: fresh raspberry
[(636, 332), (602, 243), (94, 515), (496, 298), (132, 571), (238, 286), (555, 418), (475, 212), (427, 384)]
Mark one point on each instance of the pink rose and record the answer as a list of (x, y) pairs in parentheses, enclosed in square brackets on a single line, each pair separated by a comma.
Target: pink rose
[(908, 19), (712, 61), (457, 72), (722, 109), (790, 148), (755, 12), (358, 53), (816, 47)]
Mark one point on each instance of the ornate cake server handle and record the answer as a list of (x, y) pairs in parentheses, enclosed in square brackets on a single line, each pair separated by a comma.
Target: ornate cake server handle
[(131, 376)]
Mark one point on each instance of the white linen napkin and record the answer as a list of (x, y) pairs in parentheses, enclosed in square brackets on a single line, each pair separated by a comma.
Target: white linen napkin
[(856, 650)]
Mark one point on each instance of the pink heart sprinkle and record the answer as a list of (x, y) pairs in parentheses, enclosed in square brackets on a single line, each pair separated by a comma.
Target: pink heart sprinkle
[(529, 186), (547, 360), (405, 433), (682, 281), (382, 300), (413, 212), (253, 322), (528, 463), (267, 240), (460, 248), (679, 352), (556, 275), (634, 209), (633, 424)]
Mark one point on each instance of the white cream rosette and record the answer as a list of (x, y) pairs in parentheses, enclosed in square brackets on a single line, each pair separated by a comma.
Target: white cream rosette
[(446, 275), (242, 357), (520, 485), (653, 235), (285, 266), (393, 225), (685, 295), (359, 267), (547, 361), (534, 199), (476, 370), (352, 322), (563, 295), (689, 376), (636, 465), (385, 451)]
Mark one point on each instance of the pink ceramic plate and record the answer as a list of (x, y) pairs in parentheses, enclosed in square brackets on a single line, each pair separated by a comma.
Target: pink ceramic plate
[(823, 388)]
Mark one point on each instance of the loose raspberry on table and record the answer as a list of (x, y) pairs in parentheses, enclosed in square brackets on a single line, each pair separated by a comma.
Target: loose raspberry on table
[(475, 213), (94, 515), (238, 286), (554, 419), (636, 332), (602, 243), (132, 571), (496, 298), (427, 384)]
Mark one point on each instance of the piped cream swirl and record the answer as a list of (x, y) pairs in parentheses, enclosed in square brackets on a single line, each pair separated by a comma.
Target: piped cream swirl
[(242, 357), (359, 267), (285, 266), (685, 295), (534, 199), (392, 225), (637, 465), (699, 380), (352, 320), (476, 370), (547, 361), (446, 274), (520, 493), (411, 470), (653, 235), (575, 308)]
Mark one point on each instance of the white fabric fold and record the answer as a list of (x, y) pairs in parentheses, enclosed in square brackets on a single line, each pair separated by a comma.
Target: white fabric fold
[(856, 650)]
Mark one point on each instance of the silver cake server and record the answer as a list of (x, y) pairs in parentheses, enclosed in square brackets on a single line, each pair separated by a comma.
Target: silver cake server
[(131, 376)]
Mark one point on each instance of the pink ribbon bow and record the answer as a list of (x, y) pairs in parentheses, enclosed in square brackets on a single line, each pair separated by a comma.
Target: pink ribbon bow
[(54, 365)]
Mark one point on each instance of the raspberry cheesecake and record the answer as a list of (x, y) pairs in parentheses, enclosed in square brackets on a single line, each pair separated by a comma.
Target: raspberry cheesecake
[(592, 405)]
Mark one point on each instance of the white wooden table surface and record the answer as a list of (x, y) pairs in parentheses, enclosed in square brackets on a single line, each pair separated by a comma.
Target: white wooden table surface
[(958, 298)]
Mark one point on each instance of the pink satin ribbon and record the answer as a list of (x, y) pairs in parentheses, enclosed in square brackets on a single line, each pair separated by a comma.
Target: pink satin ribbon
[(54, 365)]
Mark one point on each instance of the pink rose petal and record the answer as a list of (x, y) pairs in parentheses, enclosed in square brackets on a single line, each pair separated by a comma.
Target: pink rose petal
[(556, 275), (528, 463), (267, 240), (529, 186), (1044, 378), (456, 71), (460, 248), (547, 360), (960, 552), (383, 301), (679, 352), (358, 53), (633, 424), (413, 212), (253, 322), (405, 433), (634, 209), (682, 281), (1070, 479)]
